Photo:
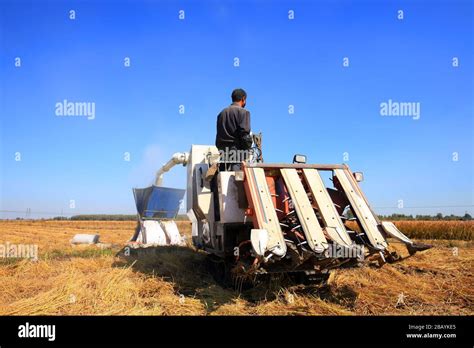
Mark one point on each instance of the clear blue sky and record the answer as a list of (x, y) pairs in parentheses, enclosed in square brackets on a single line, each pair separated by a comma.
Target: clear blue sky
[(190, 62)]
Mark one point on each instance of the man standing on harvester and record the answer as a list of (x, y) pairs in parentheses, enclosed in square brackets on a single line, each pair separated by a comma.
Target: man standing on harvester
[(233, 127)]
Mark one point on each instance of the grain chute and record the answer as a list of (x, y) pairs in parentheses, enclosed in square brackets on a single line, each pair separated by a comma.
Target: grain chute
[(156, 209)]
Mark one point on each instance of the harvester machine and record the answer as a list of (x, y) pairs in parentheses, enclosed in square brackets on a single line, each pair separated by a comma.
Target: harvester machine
[(263, 218)]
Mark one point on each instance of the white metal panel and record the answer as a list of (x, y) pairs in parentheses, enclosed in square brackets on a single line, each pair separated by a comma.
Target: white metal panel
[(204, 200), (265, 210), (229, 198), (197, 155), (259, 240), (308, 220), (362, 211), (393, 231), (335, 227)]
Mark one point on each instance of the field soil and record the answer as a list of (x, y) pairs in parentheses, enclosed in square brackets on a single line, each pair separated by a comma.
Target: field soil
[(96, 280)]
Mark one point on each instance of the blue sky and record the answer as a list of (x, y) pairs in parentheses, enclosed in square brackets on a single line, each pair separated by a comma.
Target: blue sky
[(190, 62)]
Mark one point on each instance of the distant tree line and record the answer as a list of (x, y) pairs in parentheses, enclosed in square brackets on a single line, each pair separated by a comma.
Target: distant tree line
[(437, 217), (110, 217), (183, 217), (106, 217)]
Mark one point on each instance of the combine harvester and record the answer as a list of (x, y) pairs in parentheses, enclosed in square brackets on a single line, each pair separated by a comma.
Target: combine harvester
[(276, 218)]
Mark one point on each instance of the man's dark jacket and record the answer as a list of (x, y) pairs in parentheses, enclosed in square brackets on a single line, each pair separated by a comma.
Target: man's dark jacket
[(233, 128)]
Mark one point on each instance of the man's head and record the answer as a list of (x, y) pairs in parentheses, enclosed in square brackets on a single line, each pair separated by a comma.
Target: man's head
[(239, 96)]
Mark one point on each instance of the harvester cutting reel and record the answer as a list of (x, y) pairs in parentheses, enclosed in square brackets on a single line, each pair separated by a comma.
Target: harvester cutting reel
[(295, 217)]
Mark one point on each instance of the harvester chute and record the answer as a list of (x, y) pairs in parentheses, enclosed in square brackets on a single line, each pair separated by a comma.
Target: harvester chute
[(156, 209)]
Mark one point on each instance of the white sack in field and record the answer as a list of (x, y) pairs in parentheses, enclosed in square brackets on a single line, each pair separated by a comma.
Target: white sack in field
[(85, 239), (172, 232), (151, 233)]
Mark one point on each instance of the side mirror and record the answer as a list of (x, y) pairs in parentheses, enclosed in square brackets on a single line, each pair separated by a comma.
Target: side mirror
[(358, 176), (299, 159)]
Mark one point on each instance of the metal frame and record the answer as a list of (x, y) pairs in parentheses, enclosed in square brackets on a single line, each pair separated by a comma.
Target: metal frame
[(296, 166), (315, 232)]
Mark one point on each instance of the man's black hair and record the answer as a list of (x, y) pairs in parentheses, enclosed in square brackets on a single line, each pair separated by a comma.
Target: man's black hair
[(238, 94)]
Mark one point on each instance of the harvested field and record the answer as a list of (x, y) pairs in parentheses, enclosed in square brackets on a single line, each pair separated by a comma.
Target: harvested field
[(68, 280)]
